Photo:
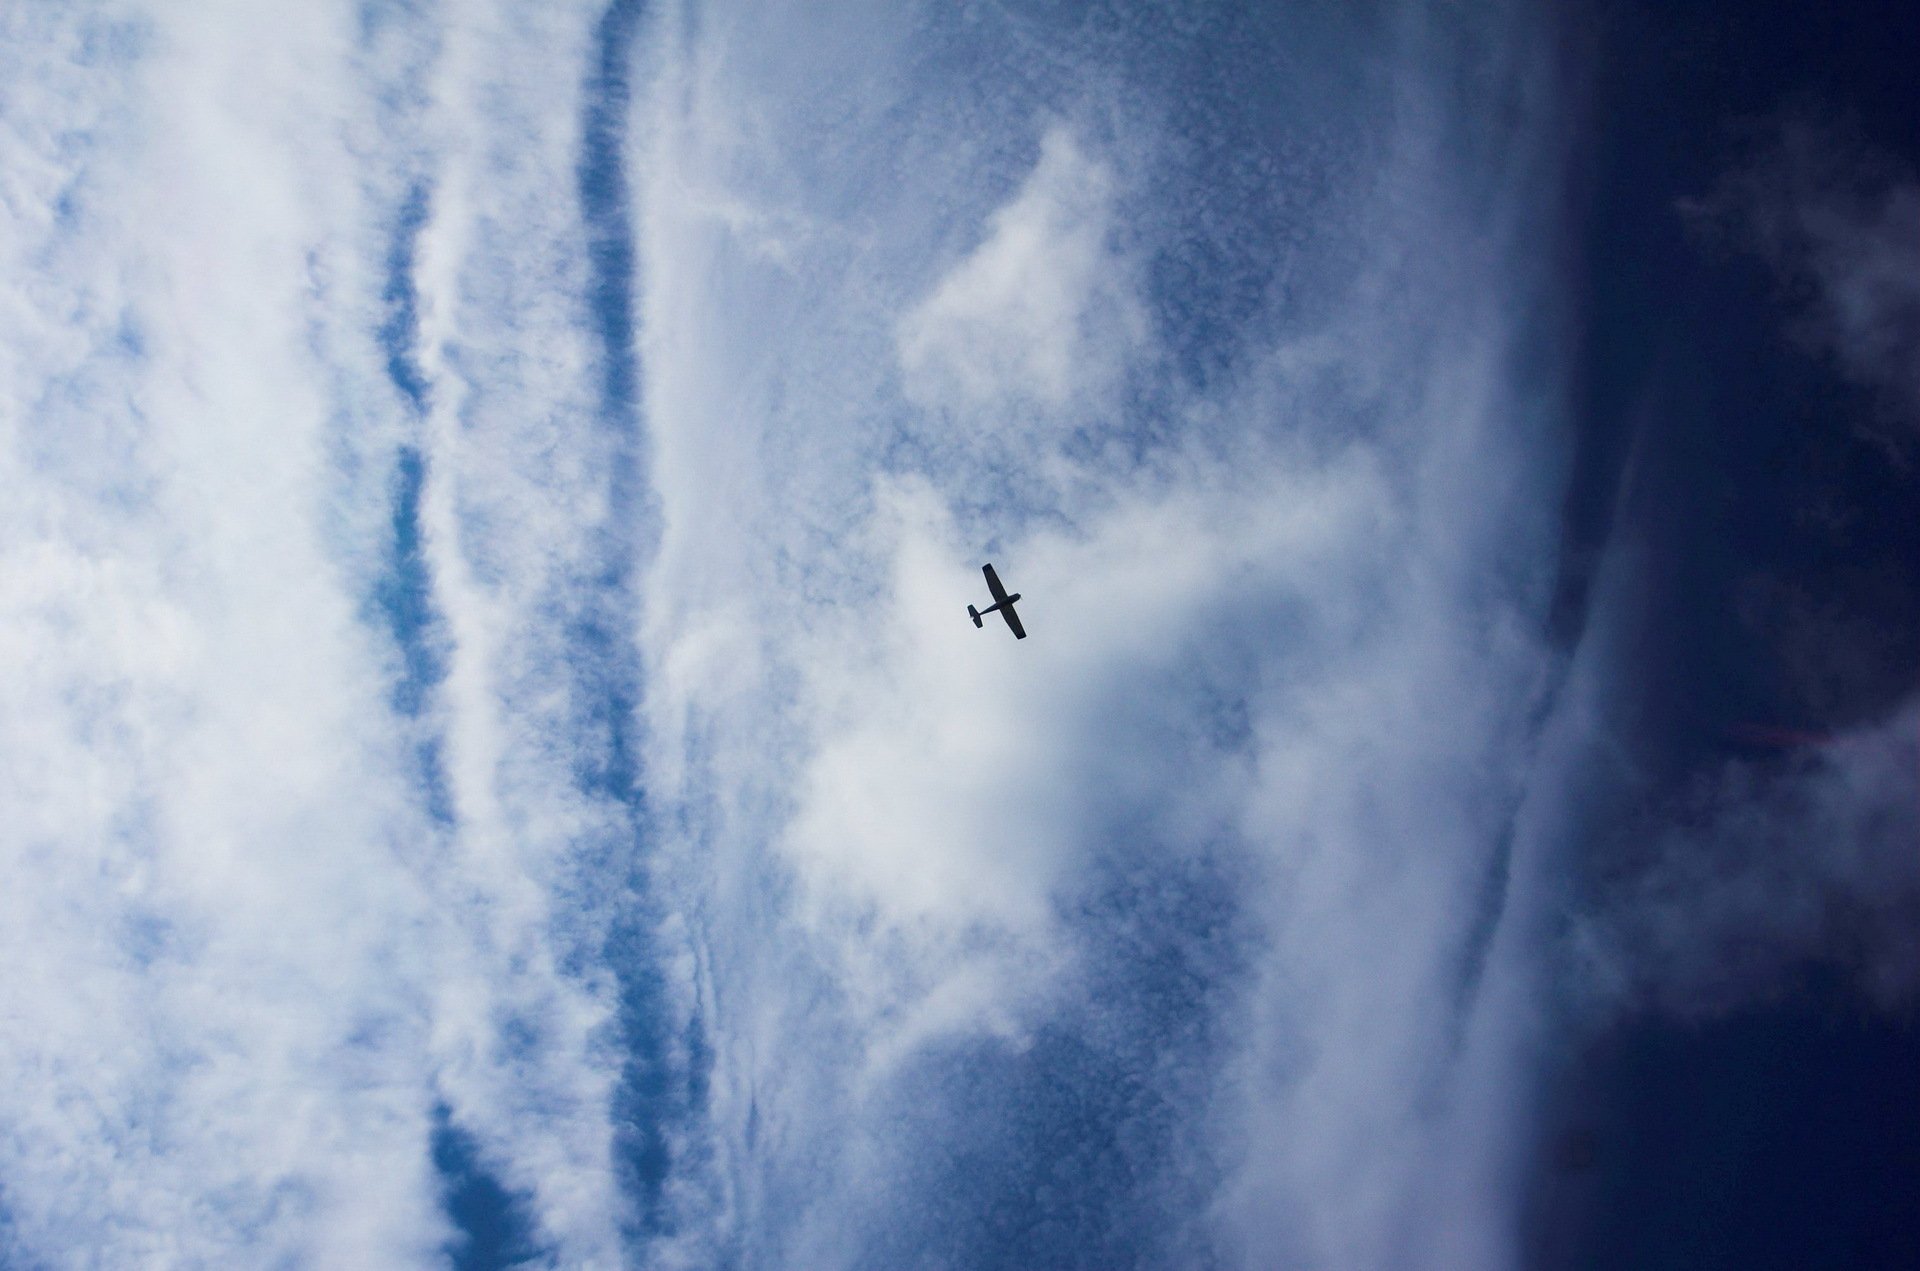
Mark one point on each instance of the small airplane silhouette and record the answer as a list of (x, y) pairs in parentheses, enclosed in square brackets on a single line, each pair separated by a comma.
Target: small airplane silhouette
[(1001, 602)]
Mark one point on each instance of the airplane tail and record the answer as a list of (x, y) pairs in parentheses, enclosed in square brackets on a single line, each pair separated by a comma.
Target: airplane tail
[(975, 615)]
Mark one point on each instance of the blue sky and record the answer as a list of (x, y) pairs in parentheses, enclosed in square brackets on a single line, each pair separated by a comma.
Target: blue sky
[(498, 780)]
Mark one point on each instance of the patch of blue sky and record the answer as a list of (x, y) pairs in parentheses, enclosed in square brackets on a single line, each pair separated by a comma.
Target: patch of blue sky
[(495, 1230), (403, 593), (1054, 1156), (664, 1058), (1098, 1152), (1086, 1144), (382, 18), (598, 624), (400, 332), (606, 208)]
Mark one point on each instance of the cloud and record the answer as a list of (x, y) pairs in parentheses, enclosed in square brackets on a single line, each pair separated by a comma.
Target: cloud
[(252, 962), (1765, 873), (188, 686), (1839, 222), (1703, 879), (1756, 876), (1043, 310), (734, 899), (1173, 908)]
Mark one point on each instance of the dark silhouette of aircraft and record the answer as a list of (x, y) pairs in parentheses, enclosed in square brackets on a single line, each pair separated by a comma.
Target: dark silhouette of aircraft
[(1002, 602)]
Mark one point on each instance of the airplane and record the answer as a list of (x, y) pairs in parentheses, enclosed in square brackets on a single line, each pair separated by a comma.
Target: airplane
[(1001, 602)]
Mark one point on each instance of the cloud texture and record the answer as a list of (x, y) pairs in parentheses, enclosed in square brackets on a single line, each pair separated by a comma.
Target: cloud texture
[(1839, 223), (493, 491)]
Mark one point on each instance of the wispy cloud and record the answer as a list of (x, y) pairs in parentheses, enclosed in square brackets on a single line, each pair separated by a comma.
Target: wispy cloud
[(1043, 309), (490, 718), (258, 458), (1839, 222), (1212, 851), (211, 832), (1760, 873), (1771, 871)]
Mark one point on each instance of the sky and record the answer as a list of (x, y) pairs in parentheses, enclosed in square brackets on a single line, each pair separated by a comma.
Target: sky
[(498, 772)]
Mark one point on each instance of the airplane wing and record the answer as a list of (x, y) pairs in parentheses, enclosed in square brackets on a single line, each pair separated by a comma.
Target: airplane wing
[(993, 585), (1013, 620)]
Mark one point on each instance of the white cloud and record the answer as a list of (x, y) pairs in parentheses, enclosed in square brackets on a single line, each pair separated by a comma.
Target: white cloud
[(1043, 310), (1288, 641), (1210, 852), (246, 964)]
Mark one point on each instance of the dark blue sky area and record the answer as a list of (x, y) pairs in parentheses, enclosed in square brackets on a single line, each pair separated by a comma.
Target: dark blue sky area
[(1742, 472)]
